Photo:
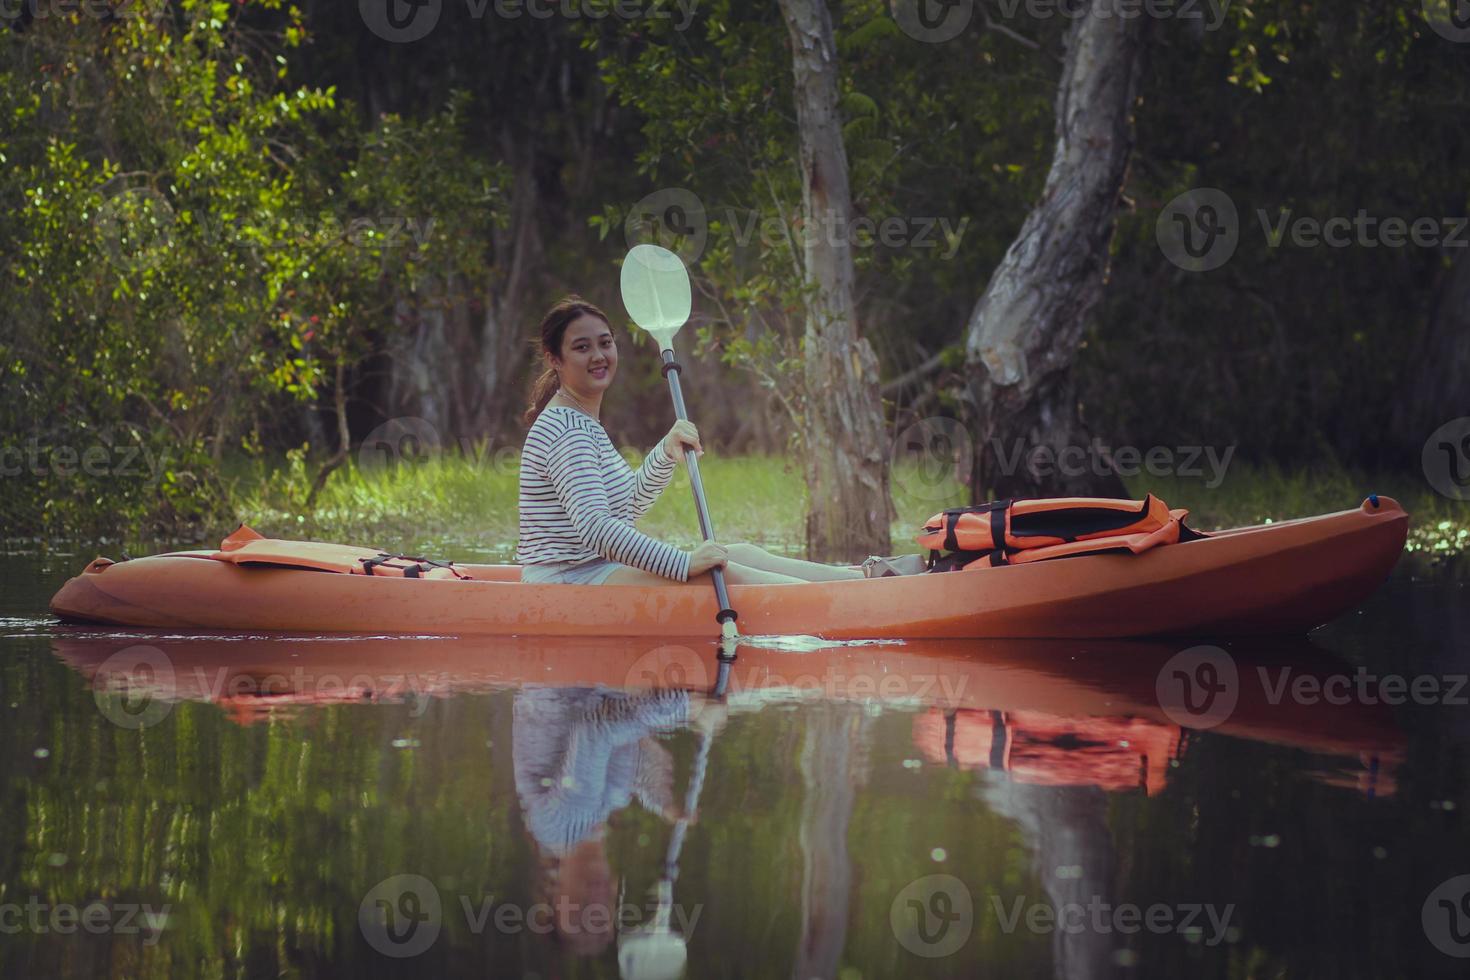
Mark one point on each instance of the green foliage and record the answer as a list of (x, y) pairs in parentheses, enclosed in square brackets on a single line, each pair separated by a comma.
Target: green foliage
[(198, 240)]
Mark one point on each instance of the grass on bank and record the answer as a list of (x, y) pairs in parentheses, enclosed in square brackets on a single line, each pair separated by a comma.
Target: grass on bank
[(463, 507)]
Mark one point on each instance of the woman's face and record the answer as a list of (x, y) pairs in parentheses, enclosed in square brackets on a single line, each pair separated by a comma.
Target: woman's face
[(589, 356)]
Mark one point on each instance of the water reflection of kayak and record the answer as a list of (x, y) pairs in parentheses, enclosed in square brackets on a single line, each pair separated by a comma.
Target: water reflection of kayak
[(1049, 711), (1279, 578)]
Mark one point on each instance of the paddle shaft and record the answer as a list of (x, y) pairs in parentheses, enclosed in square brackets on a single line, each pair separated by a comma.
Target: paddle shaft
[(706, 527), (696, 782)]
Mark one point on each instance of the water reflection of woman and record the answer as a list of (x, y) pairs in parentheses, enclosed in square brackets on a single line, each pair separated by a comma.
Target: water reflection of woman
[(580, 755)]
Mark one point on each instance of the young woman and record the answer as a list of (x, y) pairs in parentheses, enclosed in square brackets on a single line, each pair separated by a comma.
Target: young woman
[(580, 498)]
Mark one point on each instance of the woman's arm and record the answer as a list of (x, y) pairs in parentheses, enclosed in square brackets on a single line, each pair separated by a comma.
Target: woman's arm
[(573, 469), (651, 479)]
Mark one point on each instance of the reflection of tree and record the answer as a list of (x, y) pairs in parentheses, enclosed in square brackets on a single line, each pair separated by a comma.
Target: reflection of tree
[(833, 764), (1073, 856)]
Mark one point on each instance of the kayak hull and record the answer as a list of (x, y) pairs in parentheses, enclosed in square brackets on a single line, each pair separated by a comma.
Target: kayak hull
[(1284, 578)]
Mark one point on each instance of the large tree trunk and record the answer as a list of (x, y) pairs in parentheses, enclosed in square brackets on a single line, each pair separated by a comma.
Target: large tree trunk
[(1024, 332), (850, 511), (1438, 388), (508, 325)]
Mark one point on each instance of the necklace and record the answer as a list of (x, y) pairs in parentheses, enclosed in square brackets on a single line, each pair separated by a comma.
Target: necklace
[(577, 403)]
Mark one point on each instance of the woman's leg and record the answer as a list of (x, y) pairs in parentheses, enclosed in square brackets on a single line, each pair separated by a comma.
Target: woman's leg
[(736, 573), (807, 571)]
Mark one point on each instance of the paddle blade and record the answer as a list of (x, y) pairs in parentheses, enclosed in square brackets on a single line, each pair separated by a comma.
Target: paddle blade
[(656, 293)]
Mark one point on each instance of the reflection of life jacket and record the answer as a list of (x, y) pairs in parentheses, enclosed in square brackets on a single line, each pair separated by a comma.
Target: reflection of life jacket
[(1009, 532), (1114, 754), (247, 547)]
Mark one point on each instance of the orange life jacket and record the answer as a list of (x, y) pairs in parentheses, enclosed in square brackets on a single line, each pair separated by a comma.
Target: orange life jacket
[(248, 547), (1008, 532)]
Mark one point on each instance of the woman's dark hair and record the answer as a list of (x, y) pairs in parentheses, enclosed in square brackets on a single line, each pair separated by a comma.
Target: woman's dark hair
[(553, 328)]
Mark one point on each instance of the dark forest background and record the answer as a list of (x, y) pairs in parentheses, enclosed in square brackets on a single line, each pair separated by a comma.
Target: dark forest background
[(238, 229)]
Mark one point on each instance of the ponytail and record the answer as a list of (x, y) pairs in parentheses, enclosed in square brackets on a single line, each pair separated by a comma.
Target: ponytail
[(553, 328), (547, 385)]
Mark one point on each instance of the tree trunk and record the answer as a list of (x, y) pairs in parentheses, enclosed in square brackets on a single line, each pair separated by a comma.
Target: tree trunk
[(1024, 332), (850, 512), (506, 331), (1438, 388)]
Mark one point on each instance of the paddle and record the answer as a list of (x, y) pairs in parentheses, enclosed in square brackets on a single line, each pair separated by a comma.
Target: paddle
[(654, 951), (655, 288)]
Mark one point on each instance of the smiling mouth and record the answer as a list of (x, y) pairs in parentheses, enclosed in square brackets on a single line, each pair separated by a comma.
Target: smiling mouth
[(599, 372)]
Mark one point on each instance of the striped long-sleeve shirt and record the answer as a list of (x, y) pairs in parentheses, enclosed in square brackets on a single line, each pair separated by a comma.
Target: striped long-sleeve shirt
[(579, 498)]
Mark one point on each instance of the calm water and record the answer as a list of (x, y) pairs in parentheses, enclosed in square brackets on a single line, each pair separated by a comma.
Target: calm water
[(265, 806)]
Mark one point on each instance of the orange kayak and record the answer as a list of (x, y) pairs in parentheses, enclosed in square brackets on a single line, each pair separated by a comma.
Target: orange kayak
[(1280, 578)]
